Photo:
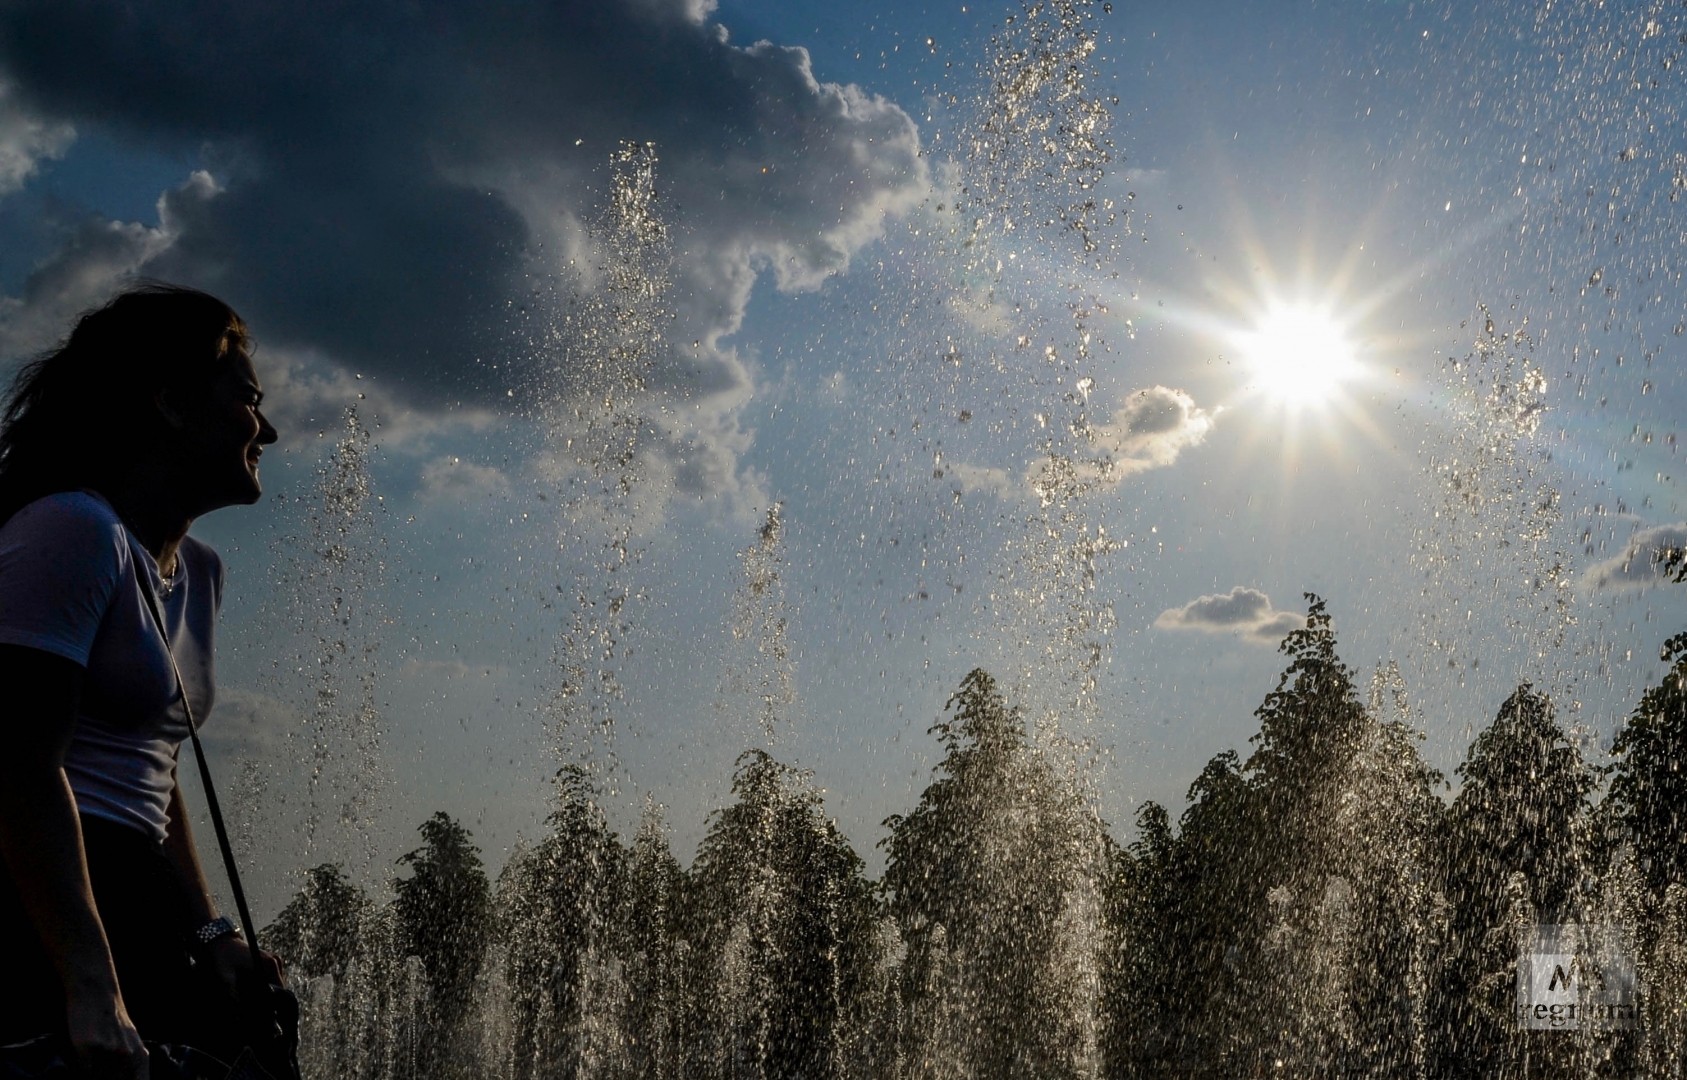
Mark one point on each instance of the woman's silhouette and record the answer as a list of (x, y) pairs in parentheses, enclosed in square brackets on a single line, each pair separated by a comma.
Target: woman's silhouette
[(145, 418)]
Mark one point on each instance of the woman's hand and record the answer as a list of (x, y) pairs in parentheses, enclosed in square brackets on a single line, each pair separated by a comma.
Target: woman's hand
[(102, 1039), (231, 961)]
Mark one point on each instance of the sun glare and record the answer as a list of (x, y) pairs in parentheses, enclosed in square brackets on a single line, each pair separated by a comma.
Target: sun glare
[(1299, 355)]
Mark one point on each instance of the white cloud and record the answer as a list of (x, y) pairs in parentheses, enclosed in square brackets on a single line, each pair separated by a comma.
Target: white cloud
[(306, 396), (835, 388), (694, 11), (1637, 566), (1149, 431), (26, 140), (695, 457), (1243, 611), (95, 259), (968, 479), (450, 479), (251, 726)]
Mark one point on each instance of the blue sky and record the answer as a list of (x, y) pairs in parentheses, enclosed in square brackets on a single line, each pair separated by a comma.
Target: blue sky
[(404, 198)]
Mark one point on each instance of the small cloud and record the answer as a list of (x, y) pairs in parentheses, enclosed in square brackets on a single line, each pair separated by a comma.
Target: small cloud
[(1637, 566), (1243, 611), (1149, 431), (251, 726), (1142, 180), (966, 478), (450, 479), (836, 389)]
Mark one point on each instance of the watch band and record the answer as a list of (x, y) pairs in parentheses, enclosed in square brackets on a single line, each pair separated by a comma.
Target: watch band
[(220, 927)]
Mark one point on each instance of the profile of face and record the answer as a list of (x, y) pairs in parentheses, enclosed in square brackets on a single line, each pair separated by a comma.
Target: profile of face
[(224, 432)]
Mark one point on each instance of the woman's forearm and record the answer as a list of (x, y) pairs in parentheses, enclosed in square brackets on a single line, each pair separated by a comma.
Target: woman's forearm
[(41, 840), (41, 843)]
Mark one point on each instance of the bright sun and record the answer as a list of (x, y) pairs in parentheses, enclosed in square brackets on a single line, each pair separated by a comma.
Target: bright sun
[(1299, 355)]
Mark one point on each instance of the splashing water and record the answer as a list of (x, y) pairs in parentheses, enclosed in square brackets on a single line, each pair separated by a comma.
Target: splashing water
[(337, 570), (1039, 147), (761, 672), (610, 336), (1500, 510), (1034, 155), (1319, 909)]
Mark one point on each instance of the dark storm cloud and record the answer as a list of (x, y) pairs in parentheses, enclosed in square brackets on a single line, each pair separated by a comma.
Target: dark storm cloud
[(1639, 564), (384, 178), (327, 224), (1243, 611)]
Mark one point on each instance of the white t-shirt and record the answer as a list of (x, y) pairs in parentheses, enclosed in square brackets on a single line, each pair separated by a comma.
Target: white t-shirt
[(68, 587)]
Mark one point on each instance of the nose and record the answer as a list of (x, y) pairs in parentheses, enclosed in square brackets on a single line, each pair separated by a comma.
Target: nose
[(266, 430)]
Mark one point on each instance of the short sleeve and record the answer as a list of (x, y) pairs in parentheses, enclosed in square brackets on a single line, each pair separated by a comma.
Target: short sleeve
[(61, 559)]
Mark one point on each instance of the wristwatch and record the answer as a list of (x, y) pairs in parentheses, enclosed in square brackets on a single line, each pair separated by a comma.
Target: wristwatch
[(220, 927)]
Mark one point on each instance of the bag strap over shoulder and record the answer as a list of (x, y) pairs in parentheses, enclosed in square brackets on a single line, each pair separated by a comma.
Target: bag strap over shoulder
[(204, 769)]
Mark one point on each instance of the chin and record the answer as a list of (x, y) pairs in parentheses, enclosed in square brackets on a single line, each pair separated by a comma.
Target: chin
[(248, 490)]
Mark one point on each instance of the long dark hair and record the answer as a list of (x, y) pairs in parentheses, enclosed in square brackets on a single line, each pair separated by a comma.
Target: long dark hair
[(78, 415)]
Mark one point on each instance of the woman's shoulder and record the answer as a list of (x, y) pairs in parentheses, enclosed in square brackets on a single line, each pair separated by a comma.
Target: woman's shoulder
[(73, 519), (61, 559)]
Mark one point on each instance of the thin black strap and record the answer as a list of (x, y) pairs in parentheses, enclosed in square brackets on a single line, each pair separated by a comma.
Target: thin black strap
[(204, 769)]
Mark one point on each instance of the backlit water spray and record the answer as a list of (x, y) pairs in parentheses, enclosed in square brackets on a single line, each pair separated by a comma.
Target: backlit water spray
[(1322, 906), (337, 567), (604, 344)]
